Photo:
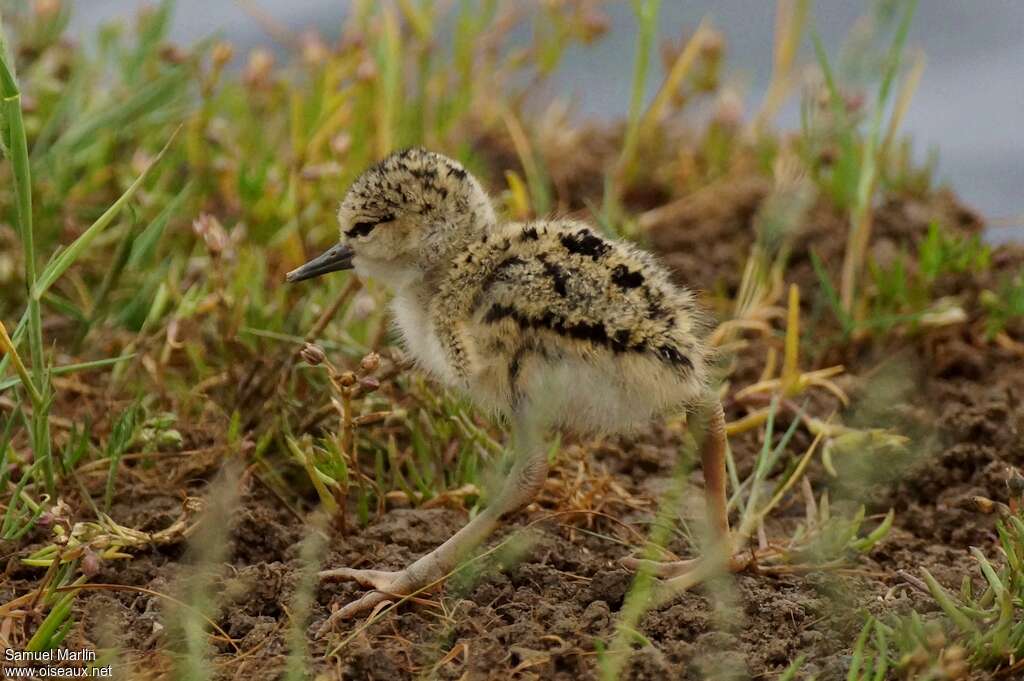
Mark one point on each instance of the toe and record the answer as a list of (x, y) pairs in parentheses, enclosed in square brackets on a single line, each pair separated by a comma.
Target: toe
[(368, 601), (659, 568), (376, 579)]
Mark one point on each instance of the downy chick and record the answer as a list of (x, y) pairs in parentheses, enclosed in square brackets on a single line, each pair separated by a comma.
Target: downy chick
[(546, 323)]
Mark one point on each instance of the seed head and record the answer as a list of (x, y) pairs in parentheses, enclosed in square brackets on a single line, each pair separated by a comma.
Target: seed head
[(369, 384), (46, 9), (257, 71), (222, 54), (595, 23), (729, 109), (370, 363), (313, 355), (954, 653), (341, 143), (90, 563), (982, 504), (347, 379), (366, 71), (173, 54), (853, 101), (213, 233), (314, 51), (712, 44), (936, 639), (1015, 482)]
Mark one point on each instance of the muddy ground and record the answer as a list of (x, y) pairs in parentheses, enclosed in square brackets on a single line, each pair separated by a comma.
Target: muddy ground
[(543, 613)]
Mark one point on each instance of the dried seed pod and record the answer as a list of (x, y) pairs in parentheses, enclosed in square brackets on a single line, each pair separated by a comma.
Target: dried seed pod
[(366, 71), (313, 354), (981, 504), (370, 363), (314, 50), (371, 418), (918, 659), (853, 101), (712, 44), (341, 143), (954, 653), (222, 53), (595, 23), (1015, 482), (212, 232), (936, 639), (90, 563), (347, 379), (257, 71), (173, 54), (729, 109), (46, 9), (369, 384)]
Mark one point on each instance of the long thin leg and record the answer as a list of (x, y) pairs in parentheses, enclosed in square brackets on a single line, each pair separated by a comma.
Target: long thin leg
[(712, 461), (712, 455), (524, 481)]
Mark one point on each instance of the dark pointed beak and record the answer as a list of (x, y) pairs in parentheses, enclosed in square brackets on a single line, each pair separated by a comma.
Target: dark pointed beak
[(337, 258)]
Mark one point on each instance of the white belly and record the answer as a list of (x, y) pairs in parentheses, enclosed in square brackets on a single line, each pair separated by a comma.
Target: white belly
[(419, 338)]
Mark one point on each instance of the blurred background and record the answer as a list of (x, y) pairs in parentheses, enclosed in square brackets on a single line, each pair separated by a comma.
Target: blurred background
[(968, 104)]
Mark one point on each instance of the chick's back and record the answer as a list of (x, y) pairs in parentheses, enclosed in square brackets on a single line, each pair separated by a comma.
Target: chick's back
[(551, 311)]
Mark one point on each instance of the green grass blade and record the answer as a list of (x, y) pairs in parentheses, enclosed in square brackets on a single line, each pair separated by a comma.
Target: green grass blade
[(43, 639), (147, 98), (948, 605), (17, 143), (831, 296), (67, 258), (146, 242), (72, 368), (858, 657), (647, 20), (878, 534)]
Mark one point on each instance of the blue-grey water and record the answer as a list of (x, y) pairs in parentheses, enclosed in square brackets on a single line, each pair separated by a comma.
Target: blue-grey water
[(969, 106)]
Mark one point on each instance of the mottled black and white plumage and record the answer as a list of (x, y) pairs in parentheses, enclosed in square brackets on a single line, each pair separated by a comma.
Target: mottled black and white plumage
[(546, 322), (512, 313)]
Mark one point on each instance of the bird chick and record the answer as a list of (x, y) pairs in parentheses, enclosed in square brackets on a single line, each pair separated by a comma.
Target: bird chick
[(546, 323)]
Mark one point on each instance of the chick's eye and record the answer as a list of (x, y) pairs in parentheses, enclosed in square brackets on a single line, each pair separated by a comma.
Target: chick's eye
[(361, 229), (364, 228)]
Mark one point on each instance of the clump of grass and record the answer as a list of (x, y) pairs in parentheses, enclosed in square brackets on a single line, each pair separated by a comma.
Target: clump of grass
[(901, 293), (976, 630), (1004, 306), (846, 163), (15, 147), (38, 384)]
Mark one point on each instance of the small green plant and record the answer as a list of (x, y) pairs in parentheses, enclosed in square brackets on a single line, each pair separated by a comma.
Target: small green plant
[(120, 438), (903, 290), (1005, 306), (846, 162), (974, 629), (943, 253), (337, 464)]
